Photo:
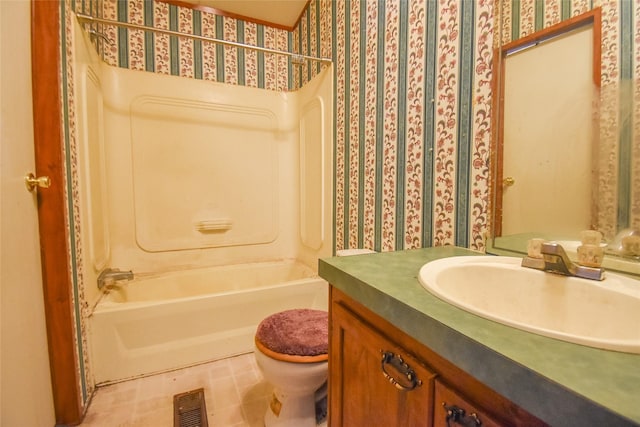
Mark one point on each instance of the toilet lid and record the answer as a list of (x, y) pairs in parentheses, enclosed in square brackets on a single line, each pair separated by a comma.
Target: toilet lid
[(299, 335)]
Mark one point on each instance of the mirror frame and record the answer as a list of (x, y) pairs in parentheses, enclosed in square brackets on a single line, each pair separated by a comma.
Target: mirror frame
[(592, 17)]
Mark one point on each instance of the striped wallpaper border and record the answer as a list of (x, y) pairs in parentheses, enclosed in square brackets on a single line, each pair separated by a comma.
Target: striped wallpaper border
[(169, 54), (410, 197)]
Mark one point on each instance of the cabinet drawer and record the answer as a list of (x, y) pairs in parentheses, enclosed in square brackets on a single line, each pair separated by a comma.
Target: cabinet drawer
[(453, 410)]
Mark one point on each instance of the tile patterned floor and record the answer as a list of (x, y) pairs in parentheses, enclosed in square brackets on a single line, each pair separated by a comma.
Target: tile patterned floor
[(235, 395)]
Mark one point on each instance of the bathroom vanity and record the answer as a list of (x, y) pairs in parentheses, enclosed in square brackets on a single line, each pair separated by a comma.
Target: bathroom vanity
[(400, 356)]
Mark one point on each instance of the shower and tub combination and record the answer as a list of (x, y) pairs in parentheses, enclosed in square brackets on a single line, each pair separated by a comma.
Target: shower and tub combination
[(160, 322), (217, 199)]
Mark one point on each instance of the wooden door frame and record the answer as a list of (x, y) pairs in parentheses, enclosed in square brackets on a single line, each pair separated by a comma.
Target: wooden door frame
[(52, 215)]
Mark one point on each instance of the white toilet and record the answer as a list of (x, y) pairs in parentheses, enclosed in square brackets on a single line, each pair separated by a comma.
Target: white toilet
[(292, 352)]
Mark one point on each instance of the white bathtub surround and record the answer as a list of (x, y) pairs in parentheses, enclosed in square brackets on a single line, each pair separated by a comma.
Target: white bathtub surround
[(184, 175)]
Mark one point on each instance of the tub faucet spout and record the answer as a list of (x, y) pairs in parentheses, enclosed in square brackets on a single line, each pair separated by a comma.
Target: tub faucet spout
[(110, 275)]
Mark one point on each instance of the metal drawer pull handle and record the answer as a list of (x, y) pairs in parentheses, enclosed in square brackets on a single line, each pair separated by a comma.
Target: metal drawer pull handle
[(406, 384), (457, 415)]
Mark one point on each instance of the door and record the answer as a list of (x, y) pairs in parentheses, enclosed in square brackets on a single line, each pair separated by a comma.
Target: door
[(52, 220), (548, 136), (25, 381)]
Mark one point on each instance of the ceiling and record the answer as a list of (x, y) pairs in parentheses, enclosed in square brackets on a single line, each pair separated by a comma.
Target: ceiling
[(284, 13)]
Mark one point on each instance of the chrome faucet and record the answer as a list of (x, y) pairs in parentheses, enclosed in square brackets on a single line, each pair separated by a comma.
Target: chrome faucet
[(555, 260), (110, 275)]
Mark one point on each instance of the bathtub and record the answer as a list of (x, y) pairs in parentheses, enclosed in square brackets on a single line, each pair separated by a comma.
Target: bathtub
[(157, 323)]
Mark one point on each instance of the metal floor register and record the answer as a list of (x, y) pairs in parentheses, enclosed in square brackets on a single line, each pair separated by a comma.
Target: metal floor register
[(189, 409)]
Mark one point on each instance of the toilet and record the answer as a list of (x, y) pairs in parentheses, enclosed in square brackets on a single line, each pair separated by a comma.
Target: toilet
[(291, 349)]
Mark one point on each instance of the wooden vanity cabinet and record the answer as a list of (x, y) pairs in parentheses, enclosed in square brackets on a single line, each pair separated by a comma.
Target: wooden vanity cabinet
[(380, 376), (361, 395)]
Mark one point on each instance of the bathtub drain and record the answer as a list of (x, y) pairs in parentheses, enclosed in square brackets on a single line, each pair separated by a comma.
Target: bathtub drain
[(189, 409)]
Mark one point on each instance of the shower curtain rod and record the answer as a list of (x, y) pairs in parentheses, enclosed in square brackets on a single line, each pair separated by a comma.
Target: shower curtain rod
[(295, 57)]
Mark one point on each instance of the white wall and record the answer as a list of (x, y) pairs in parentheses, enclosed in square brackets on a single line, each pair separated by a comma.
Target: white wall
[(25, 384)]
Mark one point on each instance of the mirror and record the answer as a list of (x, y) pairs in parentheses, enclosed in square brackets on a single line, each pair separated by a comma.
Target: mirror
[(558, 167)]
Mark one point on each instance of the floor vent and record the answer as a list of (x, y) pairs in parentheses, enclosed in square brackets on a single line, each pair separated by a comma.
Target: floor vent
[(189, 409)]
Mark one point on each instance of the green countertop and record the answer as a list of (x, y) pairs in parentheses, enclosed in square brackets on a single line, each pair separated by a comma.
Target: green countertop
[(562, 383)]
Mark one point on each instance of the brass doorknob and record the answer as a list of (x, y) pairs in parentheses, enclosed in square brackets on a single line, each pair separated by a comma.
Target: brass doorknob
[(32, 182), (508, 181)]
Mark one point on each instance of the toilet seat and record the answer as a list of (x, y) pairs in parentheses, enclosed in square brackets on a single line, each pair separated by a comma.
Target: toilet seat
[(292, 358), (296, 336)]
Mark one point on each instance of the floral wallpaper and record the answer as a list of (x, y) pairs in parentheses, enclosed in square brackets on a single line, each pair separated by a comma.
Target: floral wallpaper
[(200, 59), (413, 92)]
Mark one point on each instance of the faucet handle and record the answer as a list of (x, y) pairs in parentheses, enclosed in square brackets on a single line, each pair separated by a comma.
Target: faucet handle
[(590, 237), (590, 255), (534, 247), (631, 245)]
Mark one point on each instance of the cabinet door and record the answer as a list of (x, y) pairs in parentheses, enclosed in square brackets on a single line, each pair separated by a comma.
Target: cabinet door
[(454, 410), (374, 382)]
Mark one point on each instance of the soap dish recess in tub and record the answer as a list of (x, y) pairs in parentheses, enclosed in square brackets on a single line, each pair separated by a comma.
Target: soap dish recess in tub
[(214, 225)]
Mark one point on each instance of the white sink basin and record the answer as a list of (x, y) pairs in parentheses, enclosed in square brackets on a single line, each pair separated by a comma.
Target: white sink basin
[(602, 314)]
